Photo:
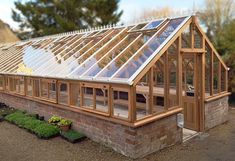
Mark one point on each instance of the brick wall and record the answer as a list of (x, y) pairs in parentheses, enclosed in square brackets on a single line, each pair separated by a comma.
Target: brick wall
[(132, 142), (216, 112)]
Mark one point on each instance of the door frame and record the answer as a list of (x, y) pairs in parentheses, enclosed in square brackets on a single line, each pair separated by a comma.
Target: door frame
[(199, 62)]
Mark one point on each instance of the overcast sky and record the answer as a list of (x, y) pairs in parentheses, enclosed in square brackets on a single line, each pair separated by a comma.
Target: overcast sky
[(131, 8)]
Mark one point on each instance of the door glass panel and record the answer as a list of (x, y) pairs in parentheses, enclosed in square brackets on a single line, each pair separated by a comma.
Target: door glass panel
[(188, 75)]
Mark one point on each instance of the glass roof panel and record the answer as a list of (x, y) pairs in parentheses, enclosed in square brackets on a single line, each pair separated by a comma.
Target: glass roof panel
[(114, 65), (116, 53), (121, 46), (68, 66), (153, 24), (93, 59), (136, 61)]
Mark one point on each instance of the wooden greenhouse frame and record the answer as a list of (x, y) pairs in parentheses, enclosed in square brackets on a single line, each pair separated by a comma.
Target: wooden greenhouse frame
[(131, 75)]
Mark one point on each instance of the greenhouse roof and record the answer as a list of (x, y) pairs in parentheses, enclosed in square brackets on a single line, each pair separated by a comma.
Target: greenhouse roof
[(115, 54)]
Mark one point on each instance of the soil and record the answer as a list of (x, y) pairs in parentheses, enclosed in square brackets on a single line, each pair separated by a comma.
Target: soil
[(16, 144)]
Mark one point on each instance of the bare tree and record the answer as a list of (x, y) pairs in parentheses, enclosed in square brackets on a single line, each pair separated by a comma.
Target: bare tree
[(214, 15), (156, 13)]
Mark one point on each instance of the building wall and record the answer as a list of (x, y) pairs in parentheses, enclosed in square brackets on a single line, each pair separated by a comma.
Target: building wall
[(216, 112), (132, 142)]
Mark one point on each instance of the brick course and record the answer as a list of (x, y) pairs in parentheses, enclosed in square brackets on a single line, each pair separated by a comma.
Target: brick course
[(132, 142), (216, 112)]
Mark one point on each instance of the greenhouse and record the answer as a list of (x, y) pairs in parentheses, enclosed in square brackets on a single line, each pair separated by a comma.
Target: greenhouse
[(119, 81)]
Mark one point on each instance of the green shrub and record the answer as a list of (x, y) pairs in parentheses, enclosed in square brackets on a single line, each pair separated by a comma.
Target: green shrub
[(54, 119), (46, 131), (72, 136), (64, 122)]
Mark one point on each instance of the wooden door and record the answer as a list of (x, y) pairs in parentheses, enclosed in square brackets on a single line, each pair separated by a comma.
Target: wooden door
[(191, 82)]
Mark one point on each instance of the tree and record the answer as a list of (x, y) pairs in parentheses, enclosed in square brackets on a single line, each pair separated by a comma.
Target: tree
[(218, 18), (228, 43), (214, 16), (156, 13), (44, 17)]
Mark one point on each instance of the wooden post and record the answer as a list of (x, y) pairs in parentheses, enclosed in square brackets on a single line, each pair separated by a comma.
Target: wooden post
[(179, 75), (202, 109), (150, 109), (166, 81), (132, 104)]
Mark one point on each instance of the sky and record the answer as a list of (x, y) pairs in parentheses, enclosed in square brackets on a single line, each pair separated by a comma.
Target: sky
[(131, 8)]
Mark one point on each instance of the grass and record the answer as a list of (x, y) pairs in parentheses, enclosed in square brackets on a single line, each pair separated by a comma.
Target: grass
[(41, 128), (72, 136)]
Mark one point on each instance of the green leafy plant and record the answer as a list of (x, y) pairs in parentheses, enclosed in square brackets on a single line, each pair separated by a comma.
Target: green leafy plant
[(41, 128), (54, 119), (72, 136), (46, 131), (65, 122)]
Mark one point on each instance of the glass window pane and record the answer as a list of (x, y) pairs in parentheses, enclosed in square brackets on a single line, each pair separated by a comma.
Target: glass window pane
[(188, 75), (17, 84), (44, 89), (75, 94), (173, 78), (36, 87), (159, 85), (223, 78), (1, 82), (12, 84), (101, 96), (21, 85), (197, 39), (133, 65), (142, 97), (52, 91), (120, 103), (186, 38), (216, 75), (88, 97), (63, 93), (7, 83), (29, 83), (208, 71)]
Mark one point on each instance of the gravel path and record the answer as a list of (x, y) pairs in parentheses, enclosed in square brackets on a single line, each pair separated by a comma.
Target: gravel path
[(18, 145)]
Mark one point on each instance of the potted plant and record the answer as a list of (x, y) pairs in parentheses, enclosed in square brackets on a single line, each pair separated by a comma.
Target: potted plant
[(64, 124), (54, 120)]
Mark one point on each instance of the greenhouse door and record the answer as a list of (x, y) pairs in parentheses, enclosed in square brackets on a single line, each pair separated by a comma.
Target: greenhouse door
[(191, 89)]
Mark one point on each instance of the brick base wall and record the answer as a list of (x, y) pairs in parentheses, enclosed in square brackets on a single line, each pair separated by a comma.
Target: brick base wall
[(132, 142), (216, 112)]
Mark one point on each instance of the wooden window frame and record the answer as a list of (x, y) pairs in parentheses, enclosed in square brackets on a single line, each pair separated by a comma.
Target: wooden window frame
[(94, 87), (131, 103)]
